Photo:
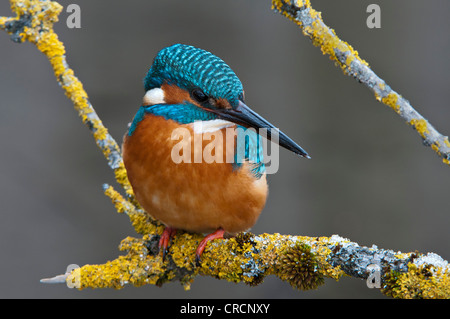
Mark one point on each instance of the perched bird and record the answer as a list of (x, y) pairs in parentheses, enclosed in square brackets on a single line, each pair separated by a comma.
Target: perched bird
[(191, 90)]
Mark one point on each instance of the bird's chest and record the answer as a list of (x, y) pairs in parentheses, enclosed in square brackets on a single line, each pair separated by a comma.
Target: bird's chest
[(189, 170), (158, 145)]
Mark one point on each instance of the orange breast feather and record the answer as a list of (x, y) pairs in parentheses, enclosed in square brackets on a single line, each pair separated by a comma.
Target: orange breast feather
[(197, 197)]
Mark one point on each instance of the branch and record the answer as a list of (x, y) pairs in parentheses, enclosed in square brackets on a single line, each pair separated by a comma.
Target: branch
[(34, 23), (304, 262), (312, 26), (301, 261)]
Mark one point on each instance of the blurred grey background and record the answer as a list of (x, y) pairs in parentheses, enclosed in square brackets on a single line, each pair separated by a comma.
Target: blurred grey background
[(370, 178)]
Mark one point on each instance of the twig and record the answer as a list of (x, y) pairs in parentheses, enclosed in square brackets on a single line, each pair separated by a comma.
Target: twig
[(34, 23), (312, 26)]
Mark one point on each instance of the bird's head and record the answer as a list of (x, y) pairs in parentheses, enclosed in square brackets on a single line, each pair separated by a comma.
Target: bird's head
[(188, 84)]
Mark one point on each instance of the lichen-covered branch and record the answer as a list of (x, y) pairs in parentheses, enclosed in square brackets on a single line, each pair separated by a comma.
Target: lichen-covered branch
[(34, 23), (304, 262), (343, 54)]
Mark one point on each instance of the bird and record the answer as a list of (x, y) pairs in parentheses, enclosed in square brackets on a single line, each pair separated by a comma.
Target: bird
[(195, 94)]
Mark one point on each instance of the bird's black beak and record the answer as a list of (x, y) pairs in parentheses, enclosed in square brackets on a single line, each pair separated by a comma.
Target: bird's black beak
[(245, 116)]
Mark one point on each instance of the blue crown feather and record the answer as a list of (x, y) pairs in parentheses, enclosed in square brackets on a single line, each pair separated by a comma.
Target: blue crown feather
[(189, 67)]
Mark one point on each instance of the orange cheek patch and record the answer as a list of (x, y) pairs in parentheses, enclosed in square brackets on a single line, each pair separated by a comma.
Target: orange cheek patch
[(223, 104), (175, 95)]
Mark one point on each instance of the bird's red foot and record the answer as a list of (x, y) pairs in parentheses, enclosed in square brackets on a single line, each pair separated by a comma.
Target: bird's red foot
[(218, 234), (164, 241)]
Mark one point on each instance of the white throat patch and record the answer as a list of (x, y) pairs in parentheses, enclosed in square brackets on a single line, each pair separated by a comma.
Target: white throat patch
[(153, 96), (210, 126)]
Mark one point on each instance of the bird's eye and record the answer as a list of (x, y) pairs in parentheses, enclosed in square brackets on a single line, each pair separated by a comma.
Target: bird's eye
[(199, 95)]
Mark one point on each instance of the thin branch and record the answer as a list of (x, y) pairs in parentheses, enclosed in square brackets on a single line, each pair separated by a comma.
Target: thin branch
[(312, 26), (34, 23), (304, 262)]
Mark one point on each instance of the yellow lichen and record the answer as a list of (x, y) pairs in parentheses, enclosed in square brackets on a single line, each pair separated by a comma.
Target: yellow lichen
[(100, 133), (183, 250), (421, 127), (447, 143), (121, 176), (321, 36), (419, 282), (322, 251), (229, 264), (117, 199), (402, 256), (436, 147), (144, 224), (391, 100)]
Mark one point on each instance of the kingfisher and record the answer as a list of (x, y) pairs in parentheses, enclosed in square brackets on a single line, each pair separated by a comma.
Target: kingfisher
[(192, 91)]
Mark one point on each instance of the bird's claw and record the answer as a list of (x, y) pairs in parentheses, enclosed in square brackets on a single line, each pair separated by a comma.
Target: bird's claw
[(164, 241), (169, 232), (218, 234)]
